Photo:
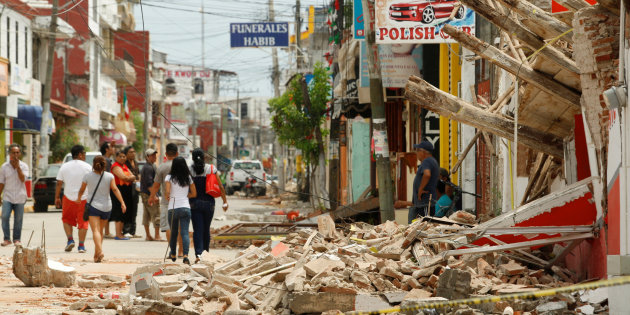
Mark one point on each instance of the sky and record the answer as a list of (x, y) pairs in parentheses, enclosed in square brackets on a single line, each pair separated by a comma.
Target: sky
[(175, 28)]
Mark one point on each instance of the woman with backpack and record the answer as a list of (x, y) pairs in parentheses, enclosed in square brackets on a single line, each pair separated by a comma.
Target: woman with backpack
[(179, 188), (99, 183), (203, 205)]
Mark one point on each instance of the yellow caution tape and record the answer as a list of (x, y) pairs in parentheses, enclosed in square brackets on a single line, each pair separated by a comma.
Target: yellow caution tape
[(278, 238), (374, 249), (496, 298)]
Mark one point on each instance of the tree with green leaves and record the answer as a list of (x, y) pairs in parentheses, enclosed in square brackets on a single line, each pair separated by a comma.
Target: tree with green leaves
[(297, 118)]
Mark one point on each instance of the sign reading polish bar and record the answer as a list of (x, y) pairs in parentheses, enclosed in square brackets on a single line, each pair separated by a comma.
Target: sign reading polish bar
[(263, 34)]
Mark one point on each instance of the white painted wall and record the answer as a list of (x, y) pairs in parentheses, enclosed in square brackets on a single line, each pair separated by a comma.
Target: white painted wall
[(467, 171), (22, 38)]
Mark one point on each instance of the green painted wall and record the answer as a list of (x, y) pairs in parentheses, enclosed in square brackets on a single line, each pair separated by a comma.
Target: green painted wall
[(360, 158)]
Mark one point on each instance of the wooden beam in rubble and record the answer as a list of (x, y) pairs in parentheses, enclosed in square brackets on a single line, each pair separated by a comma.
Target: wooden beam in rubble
[(539, 21), (540, 80), (512, 26), (427, 96)]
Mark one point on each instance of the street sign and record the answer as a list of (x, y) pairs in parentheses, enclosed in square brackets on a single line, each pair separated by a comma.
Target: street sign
[(243, 152), (263, 34)]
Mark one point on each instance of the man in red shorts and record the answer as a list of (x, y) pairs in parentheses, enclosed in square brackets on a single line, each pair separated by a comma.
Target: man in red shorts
[(71, 173)]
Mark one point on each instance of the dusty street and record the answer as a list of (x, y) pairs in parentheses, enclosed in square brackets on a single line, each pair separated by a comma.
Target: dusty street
[(121, 257)]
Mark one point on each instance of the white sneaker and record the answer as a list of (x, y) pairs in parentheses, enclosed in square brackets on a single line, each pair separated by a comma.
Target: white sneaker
[(128, 235)]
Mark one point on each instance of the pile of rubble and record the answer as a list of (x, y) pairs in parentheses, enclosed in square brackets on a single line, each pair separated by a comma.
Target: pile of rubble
[(361, 267)]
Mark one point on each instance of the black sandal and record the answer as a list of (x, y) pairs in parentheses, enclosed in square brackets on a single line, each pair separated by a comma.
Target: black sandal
[(186, 261), (172, 257)]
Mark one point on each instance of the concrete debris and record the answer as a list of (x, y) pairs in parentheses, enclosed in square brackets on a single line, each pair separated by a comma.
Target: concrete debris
[(360, 267), (31, 266)]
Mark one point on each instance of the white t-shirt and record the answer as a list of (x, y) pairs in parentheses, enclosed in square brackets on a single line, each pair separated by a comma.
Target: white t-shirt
[(179, 194), (72, 173), (14, 189)]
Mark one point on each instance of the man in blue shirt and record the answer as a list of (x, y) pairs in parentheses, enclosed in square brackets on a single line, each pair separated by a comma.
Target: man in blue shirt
[(425, 182)]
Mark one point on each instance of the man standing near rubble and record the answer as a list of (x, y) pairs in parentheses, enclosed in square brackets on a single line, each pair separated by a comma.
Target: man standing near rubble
[(163, 170), (425, 182), (12, 177)]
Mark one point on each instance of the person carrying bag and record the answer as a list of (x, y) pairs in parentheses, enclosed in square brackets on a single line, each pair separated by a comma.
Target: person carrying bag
[(208, 187)]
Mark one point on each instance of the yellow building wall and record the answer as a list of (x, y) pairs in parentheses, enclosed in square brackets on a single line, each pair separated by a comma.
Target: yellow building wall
[(450, 76)]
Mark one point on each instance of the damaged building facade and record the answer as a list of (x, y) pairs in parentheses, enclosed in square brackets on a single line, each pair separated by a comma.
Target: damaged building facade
[(526, 109)]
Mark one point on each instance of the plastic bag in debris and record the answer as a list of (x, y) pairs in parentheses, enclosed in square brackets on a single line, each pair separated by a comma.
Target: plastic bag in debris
[(144, 285)]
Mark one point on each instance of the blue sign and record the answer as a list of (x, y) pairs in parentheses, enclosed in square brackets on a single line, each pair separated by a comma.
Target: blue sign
[(263, 34), (358, 25)]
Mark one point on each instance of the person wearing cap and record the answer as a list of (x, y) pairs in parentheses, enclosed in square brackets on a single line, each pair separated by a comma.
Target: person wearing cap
[(151, 212), (425, 182)]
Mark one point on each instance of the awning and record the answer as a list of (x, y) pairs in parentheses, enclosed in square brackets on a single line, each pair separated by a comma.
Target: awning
[(113, 136), (29, 119), (59, 107)]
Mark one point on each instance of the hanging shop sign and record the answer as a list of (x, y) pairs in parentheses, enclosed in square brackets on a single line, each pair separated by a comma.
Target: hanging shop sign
[(263, 34), (358, 26), (413, 21), (398, 62), (4, 77)]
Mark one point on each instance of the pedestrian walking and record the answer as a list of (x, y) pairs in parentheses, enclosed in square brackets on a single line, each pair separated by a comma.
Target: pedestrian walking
[(108, 150), (100, 184), (70, 176), (151, 212), (202, 206), (158, 185), (179, 188), (124, 181), (13, 174), (425, 182), (129, 218)]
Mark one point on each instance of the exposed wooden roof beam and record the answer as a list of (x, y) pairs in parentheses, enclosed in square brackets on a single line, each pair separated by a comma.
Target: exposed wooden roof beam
[(511, 65), (539, 21), (427, 96), (512, 26)]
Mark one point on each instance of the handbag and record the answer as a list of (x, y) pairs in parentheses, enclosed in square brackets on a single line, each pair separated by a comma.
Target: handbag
[(86, 211), (212, 184)]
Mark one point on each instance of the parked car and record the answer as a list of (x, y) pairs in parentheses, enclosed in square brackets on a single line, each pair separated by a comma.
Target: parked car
[(89, 157), (45, 185), (240, 170), (425, 11)]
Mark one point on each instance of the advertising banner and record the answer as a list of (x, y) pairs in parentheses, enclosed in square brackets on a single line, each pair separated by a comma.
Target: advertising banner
[(181, 78), (420, 21), (263, 34), (398, 62)]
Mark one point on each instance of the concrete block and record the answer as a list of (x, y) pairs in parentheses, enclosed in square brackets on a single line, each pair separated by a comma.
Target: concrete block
[(31, 266), (318, 265), (454, 284), (369, 302), (203, 270), (512, 268), (555, 307), (298, 275), (175, 298), (395, 297), (392, 273), (586, 309), (596, 296), (318, 302)]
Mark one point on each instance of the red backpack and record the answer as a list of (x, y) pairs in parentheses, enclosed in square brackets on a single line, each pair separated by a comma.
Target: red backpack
[(212, 183)]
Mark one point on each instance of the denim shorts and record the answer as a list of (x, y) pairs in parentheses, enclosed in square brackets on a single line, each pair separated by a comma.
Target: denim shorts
[(104, 215)]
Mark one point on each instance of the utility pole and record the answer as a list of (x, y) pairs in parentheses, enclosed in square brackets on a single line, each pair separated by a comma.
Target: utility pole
[(275, 77), (298, 35), (193, 109), (44, 142), (379, 123), (147, 101)]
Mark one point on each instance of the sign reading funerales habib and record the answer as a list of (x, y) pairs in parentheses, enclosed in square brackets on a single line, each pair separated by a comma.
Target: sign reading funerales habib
[(263, 34)]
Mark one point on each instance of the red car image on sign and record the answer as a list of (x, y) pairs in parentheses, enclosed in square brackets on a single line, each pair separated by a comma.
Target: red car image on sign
[(425, 11)]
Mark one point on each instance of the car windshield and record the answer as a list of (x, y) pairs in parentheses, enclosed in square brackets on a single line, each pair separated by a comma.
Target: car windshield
[(247, 166), (52, 171)]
